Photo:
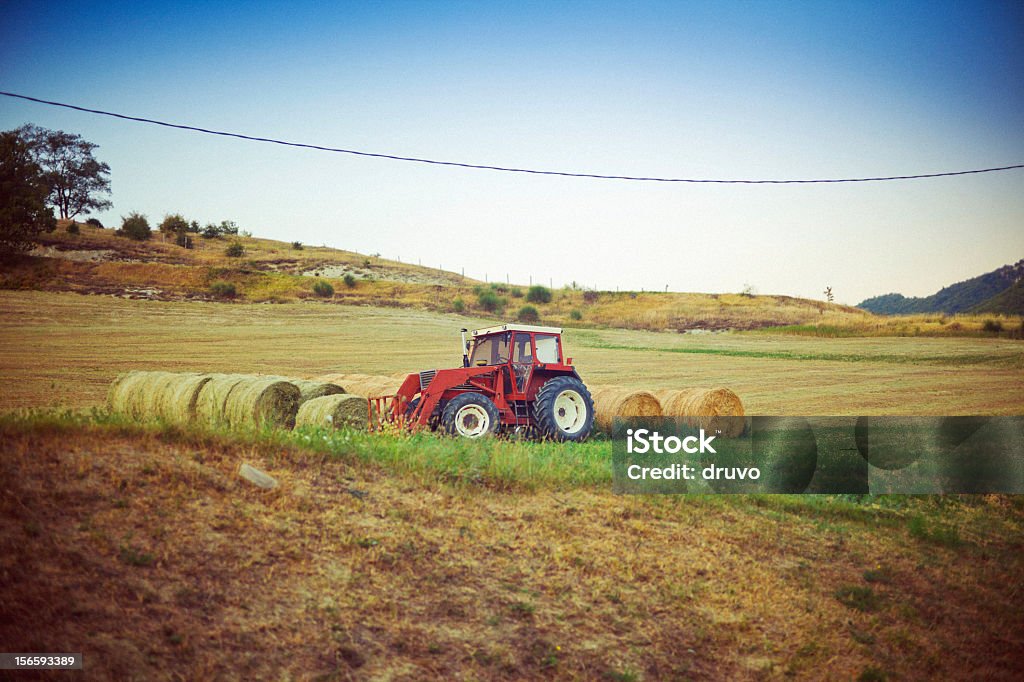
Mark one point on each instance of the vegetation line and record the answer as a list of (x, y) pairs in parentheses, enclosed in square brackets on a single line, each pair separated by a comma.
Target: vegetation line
[(961, 359)]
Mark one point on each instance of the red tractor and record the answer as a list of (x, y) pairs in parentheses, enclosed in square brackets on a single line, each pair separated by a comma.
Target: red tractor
[(514, 377)]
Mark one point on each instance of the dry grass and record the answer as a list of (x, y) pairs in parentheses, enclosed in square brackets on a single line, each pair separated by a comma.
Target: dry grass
[(143, 550)]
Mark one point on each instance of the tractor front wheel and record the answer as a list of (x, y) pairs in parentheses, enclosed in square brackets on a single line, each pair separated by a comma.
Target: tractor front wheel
[(564, 410), (470, 415)]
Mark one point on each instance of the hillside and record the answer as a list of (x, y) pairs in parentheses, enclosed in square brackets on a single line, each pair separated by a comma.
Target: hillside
[(972, 295), (1009, 302), (96, 261)]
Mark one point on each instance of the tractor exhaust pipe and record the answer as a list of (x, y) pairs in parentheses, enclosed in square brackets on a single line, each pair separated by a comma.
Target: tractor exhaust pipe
[(465, 349)]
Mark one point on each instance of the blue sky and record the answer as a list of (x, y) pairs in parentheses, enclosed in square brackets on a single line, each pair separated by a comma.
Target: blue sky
[(722, 90)]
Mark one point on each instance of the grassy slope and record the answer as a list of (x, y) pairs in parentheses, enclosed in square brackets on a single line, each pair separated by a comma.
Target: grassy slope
[(271, 272), (142, 549)]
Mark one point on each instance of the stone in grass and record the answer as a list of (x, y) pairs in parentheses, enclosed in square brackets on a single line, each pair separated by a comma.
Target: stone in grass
[(257, 477)]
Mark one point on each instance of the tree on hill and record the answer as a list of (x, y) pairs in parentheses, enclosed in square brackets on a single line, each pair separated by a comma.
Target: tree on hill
[(174, 222), (23, 192), (76, 180), (135, 226)]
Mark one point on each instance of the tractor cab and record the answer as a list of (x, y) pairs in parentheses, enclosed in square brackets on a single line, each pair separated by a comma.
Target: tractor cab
[(522, 348), (513, 377)]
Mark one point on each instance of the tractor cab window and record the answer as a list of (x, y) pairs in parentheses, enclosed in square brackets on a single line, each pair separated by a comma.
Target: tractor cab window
[(547, 349), (522, 351), (490, 350)]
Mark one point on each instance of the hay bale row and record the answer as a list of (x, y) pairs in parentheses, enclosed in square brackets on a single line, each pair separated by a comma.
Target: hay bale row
[(311, 388), (243, 400), (366, 385), (343, 409), (711, 409), (622, 402), (157, 395)]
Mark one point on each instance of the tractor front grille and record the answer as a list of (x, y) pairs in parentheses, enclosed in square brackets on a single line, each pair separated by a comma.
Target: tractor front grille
[(426, 377)]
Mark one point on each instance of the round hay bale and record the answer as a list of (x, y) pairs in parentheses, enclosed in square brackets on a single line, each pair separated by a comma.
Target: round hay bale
[(178, 397), (311, 388), (343, 409), (156, 395), (259, 401), (711, 409), (127, 394), (623, 402), (211, 405)]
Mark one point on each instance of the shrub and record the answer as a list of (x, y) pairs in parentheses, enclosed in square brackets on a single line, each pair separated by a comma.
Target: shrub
[(234, 250), (297, 246), (95, 222), (528, 314), (228, 227), (538, 294), (193, 227), (366, 262), (576, 315), (73, 228), (135, 226), (210, 231), (222, 289), (183, 240), (500, 288), (323, 289), (590, 296), (516, 292), (458, 305), (174, 222), (350, 281), (993, 326), (490, 301)]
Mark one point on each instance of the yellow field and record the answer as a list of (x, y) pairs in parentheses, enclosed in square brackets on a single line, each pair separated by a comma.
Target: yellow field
[(64, 349)]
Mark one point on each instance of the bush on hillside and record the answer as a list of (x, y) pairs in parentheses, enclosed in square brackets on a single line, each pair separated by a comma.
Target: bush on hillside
[(538, 294), (135, 226)]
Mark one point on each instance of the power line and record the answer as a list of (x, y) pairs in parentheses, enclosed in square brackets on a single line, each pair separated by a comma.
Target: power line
[(503, 169)]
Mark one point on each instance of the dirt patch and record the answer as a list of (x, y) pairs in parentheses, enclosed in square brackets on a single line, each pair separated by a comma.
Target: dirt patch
[(80, 255), (386, 275)]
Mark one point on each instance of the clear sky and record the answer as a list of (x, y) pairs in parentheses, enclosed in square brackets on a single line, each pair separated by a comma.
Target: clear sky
[(778, 90)]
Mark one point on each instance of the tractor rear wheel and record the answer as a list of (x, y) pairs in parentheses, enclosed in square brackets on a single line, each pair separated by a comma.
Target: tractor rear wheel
[(564, 410), (470, 415)]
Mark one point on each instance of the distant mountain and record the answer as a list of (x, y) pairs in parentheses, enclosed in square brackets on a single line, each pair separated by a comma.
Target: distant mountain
[(990, 292), (1010, 302)]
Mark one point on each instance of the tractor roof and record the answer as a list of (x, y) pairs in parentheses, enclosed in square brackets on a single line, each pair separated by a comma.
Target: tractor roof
[(516, 328)]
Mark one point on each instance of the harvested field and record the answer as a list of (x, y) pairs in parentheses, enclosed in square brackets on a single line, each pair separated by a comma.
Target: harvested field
[(49, 354)]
